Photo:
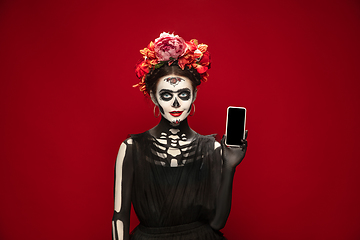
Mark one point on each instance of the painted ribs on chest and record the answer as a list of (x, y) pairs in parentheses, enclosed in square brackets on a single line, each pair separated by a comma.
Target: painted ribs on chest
[(173, 149)]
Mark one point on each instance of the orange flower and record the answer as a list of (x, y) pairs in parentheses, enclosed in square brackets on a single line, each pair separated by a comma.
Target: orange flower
[(191, 45), (202, 47)]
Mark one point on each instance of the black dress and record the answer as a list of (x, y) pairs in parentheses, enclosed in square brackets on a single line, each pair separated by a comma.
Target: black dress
[(175, 203)]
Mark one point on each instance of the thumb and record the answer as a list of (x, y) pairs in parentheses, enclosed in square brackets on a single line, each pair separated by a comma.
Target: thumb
[(222, 142)]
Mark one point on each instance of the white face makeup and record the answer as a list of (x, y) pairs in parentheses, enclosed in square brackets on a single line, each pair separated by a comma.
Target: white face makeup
[(174, 95)]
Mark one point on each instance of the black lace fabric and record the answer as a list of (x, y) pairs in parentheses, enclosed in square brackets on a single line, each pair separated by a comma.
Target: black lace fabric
[(175, 203)]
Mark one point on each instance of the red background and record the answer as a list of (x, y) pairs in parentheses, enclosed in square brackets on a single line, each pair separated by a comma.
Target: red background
[(67, 68)]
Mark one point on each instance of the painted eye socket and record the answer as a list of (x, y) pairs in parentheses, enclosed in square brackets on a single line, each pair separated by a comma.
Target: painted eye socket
[(184, 95), (166, 96)]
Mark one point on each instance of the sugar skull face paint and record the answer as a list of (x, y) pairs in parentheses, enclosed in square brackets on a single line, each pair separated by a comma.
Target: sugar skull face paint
[(174, 96)]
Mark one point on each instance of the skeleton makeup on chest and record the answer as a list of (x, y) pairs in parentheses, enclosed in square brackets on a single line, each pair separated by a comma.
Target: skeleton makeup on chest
[(174, 96), (173, 149)]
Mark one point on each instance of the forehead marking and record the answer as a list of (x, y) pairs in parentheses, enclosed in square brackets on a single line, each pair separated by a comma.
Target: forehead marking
[(173, 80)]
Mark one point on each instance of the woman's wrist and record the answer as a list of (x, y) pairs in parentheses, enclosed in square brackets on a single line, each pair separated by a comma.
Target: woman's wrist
[(228, 168)]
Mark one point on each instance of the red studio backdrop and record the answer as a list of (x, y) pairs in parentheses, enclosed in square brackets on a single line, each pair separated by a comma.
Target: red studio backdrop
[(67, 103)]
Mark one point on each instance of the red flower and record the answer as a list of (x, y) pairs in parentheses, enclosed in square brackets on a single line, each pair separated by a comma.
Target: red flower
[(205, 59)]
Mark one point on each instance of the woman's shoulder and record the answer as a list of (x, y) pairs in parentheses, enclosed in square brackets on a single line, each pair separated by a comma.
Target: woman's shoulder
[(131, 138), (211, 136), (210, 140), (138, 137)]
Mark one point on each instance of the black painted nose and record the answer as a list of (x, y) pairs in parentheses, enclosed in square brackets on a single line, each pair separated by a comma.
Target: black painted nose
[(176, 103)]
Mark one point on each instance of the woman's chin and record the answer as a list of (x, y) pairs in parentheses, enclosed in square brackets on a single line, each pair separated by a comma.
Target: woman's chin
[(175, 123)]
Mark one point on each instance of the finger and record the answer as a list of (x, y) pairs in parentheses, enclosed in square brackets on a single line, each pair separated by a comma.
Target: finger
[(244, 144), (223, 139), (222, 142)]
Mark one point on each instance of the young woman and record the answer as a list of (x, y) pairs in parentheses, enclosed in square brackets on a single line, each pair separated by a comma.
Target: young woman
[(178, 181)]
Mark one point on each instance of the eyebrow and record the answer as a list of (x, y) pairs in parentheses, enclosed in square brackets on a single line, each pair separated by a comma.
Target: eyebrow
[(180, 90)]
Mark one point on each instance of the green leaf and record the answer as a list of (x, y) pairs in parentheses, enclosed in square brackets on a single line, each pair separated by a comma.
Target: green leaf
[(159, 65)]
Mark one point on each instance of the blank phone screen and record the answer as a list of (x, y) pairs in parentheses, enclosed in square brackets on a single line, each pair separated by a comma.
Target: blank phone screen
[(235, 125)]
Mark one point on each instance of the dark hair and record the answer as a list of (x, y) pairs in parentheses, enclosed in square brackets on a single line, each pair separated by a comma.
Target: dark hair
[(154, 75)]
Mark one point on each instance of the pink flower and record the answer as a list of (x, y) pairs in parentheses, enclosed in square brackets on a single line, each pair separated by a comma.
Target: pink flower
[(169, 47)]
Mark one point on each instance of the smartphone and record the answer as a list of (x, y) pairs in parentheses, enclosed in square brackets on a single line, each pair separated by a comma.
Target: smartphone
[(235, 125)]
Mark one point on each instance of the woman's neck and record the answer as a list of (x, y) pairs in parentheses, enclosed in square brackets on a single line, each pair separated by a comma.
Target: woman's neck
[(165, 126)]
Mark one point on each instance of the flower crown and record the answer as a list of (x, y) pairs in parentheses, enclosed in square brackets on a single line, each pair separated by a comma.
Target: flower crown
[(169, 48)]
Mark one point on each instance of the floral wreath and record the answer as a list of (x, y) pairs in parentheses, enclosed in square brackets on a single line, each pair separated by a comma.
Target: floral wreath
[(169, 48)]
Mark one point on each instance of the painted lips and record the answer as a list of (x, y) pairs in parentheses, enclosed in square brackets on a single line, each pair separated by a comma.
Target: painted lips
[(176, 113)]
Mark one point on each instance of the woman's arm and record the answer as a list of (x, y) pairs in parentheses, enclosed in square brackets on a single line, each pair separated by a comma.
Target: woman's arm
[(122, 191), (232, 156)]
